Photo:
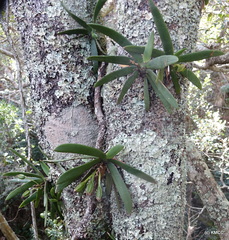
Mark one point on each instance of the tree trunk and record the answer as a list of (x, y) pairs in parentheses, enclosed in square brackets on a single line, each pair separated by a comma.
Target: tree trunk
[(61, 83)]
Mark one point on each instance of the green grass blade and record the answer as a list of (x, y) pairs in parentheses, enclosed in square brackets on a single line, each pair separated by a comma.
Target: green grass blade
[(117, 37), (31, 198), (175, 80), (146, 95), (134, 171), (8, 174), (162, 92), (22, 188), (127, 85), (113, 75), (196, 56), (112, 59), (121, 187), (77, 31), (73, 174), (114, 151), (148, 48), (80, 149), (191, 77), (97, 9), (162, 29), (80, 21), (162, 62)]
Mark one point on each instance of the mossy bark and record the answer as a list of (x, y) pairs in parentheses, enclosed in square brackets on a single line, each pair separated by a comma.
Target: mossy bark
[(61, 83)]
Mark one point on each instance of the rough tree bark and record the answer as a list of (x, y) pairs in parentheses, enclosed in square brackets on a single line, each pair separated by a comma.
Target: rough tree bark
[(61, 83)]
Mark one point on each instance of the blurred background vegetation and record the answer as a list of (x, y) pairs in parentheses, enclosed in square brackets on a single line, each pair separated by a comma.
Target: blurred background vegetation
[(207, 121)]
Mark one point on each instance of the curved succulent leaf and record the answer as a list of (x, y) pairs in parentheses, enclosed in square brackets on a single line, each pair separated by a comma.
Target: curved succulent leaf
[(23, 188), (117, 37), (162, 61), (157, 53), (108, 183), (113, 75), (114, 151), (179, 52), (75, 31), (134, 49), (191, 77), (97, 9), (112, 59), (80, 21), (190, 57), (162, 29), (73, 174), (148, 48), (146, 95), (80, 149), (127, 85), (8, 174), (162, 92), (121, 187), (31, 198), (134, 171)]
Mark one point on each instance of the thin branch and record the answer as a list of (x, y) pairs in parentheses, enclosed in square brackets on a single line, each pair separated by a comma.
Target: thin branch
[(7, 53)]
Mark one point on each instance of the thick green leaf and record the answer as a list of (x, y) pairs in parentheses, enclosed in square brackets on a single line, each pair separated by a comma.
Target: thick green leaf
[(162, 29), (26, 161), (90, 185), (94, 51), (121, 187), (39, 195), (112, 59), (23, 188), (97, 9), (157, 53), (108, 183), (117, 37), (146, 95), (175, 80), (99, 191), (113, 75), (73, 174), (31, 198), (80, 21), (45, 168), (191, 77), (162, 61), (114, 151), (127, 85), (75, 31), (160, 75), (135, 49), (80, 149), (162, 92), (148, 48), (190, 57), (179, 52), (22, 173), (134, 171)]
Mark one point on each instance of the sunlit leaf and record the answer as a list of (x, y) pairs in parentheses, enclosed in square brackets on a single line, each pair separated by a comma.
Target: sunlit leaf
[(121, 187), (117, 37), (80, 149), (113, 75), (99, 190), (162, 29), (45, 168), (112, 59), (114, 151), (134, 171), (148, 48), (97, 9), (191, 77), (162, 61), (73, 174), (75, 31), (23, 188), (196, 56), (127, 85), (146, 95)]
